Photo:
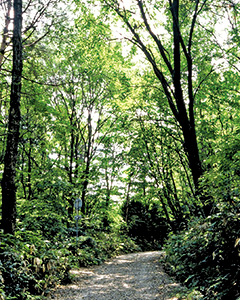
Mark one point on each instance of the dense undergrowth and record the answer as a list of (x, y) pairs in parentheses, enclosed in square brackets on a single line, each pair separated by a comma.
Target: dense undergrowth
[(206, 256), (32, 265)]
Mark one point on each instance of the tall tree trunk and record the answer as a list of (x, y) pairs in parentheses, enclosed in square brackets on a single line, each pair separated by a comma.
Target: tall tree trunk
[(187, 122), (29, 184), (11, 154), (108, 192), (128, 196), (85, 183), (85, 176)]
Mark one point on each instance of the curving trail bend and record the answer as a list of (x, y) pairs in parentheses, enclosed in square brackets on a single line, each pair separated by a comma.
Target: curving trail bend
[(136, 276)]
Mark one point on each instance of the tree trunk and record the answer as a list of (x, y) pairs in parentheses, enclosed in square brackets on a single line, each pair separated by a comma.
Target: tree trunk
[(128, 197), (11, 154), (187, 122), (4, 42), (85, 176), (191, 148)]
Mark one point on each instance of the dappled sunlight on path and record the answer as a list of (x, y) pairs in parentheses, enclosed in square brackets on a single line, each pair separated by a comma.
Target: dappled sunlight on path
[(132, 276)]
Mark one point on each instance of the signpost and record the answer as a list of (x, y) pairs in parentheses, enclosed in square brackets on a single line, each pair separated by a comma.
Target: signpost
[(77, 205)]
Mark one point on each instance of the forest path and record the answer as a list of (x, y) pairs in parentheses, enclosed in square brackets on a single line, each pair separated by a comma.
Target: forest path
[(133, 276)]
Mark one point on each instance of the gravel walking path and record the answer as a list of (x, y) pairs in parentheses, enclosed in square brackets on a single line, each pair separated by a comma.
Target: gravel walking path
[(137, 276)]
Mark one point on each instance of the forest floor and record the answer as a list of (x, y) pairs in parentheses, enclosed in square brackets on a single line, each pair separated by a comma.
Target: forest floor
[(133, 276)]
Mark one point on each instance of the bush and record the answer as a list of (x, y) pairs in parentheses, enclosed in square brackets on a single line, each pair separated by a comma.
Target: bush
[(207, 255), (40, 215), (96, 244), (30, 266)]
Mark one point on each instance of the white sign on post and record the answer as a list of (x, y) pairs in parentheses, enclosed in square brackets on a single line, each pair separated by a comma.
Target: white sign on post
[(78, 204)]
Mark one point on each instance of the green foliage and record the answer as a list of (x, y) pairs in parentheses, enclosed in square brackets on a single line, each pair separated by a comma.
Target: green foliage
[(97, 243), (87, 250), (46, 221), (145, 224), (207, 255), (30, 265), (222, 180)]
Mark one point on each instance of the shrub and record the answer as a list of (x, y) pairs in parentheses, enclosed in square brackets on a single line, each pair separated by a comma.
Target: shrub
[(95, 244), (40, 215), (207, 255), (30, 265)]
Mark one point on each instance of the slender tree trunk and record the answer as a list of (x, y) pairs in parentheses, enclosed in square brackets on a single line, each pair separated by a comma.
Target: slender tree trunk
[(85, 183), (11, 154), (84, 193), (108, 192), (72, 143), (29, 183), (85, 176), (4, 42), (22, 176), (164, 206), (128, 197)]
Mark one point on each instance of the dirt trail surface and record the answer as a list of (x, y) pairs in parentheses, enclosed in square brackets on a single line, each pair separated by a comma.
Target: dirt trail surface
[(127, 277)]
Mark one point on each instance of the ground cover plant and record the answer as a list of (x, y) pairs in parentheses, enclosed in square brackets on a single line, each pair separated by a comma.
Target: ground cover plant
[(206, 255)]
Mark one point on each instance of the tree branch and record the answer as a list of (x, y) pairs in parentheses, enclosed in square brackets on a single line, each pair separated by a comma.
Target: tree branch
[(155, 38)]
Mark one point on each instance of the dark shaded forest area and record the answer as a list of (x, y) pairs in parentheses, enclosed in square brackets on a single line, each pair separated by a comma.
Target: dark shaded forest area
[(119, 132)]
